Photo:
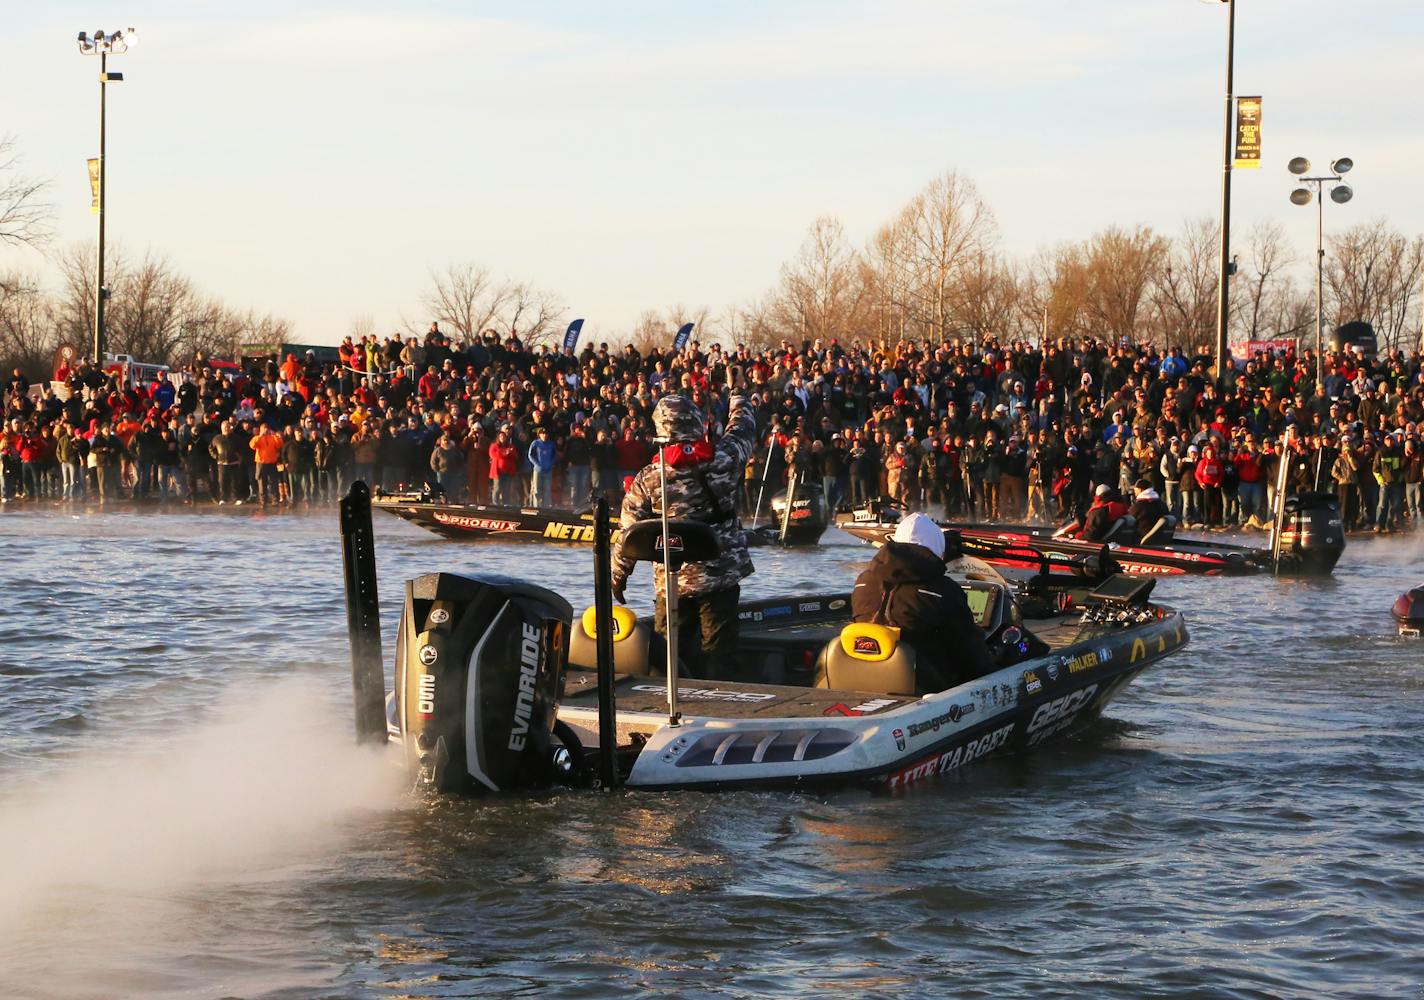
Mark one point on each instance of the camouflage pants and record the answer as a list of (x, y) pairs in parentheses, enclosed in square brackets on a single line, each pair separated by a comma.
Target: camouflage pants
[(706, 634)]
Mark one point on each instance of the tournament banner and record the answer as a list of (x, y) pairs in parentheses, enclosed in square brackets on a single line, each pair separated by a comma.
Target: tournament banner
[(683, 333), (1248, 133), (94, 186), (572, 336)]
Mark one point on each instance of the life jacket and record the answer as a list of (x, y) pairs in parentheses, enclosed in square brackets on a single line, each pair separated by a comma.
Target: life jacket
[(693, 456)]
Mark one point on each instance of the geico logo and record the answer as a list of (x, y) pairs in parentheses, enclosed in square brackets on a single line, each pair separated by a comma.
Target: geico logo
[(710, 694), (1061, 708)]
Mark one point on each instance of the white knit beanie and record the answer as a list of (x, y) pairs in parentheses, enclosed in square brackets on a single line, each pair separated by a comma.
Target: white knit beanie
[(917, 529)]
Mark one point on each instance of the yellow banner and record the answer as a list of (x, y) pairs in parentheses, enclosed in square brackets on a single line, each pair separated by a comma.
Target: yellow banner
[(94, 185), (1248, 133)]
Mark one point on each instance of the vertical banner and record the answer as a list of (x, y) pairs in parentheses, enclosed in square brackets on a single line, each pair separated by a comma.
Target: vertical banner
[(572, 335), (680, 341), (1248, 133), (94, 185)]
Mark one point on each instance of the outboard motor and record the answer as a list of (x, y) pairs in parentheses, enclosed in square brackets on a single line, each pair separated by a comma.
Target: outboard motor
[(809, 515), (1409, 612), (1312, 536), (479, 668)]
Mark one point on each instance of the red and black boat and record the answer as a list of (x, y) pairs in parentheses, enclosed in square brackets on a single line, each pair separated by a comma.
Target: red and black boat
[(1310, 544), (469, 522)]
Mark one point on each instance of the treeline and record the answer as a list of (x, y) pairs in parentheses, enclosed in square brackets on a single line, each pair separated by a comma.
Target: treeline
[(155, 313), (937, 270)]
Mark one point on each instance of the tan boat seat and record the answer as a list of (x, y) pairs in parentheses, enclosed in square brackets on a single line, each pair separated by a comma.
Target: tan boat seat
[(867, 657)]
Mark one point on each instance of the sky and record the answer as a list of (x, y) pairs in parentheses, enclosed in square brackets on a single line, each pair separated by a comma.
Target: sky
[(317, 161)]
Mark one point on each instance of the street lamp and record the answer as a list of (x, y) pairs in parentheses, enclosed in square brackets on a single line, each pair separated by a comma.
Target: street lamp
[(102, 45), (1339, 194), (1223, 293)]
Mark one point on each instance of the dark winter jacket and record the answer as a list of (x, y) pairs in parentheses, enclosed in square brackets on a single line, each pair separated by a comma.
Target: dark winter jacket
[(905, 586)]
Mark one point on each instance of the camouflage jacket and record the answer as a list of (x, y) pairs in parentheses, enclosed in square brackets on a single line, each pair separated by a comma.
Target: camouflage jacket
[(689, 498)]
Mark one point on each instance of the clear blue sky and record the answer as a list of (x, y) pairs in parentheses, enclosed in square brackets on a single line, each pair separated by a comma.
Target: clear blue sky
[(317, 160)]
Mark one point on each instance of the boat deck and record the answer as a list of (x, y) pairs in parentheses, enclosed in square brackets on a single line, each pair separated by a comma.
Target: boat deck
[(732, 699), (725, 699)]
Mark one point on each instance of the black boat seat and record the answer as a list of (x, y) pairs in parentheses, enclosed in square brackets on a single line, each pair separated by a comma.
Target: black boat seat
[(632, 642), (867, 657)]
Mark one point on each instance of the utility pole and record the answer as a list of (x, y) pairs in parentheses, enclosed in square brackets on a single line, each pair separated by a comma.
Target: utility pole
[(116, 42), (1223, 292)]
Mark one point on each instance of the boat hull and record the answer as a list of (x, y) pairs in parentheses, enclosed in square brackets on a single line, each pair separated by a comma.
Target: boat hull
[(484, 522), (872, 740)]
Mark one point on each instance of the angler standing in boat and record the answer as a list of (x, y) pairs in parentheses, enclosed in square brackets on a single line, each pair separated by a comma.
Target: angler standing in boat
[(702, 483)]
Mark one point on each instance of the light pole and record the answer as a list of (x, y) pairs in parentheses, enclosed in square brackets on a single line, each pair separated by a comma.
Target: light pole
[(102, 45), (1339, 194), (1223, 293)]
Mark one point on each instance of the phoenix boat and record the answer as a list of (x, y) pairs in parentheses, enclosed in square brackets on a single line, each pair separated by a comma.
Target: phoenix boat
[(1310, 536), (802, 524), (499, 685)]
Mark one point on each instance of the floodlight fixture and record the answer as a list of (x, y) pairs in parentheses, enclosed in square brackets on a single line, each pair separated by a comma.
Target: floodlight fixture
[(1298, 165), (1300, 196)]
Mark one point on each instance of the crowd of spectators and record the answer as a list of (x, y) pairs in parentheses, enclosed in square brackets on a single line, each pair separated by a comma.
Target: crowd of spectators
[(984, 430)]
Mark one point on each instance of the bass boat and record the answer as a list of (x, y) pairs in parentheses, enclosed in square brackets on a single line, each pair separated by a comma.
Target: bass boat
[(803, 524), (1310, 535), (499, 685)]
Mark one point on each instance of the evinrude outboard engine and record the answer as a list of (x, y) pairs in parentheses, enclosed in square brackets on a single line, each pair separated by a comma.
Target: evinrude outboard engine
[(479, 665), (1313, 537), (1409, 612)]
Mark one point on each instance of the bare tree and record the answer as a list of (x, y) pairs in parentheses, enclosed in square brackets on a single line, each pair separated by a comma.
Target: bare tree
[(466, 299), (146, 313), (532, 313), (1122, 265), (28, 334), (362, 327), (822, 292), (1184, 289), (1269, 295), (943, 231), (985, 300), (24, 218), (1372, 273)]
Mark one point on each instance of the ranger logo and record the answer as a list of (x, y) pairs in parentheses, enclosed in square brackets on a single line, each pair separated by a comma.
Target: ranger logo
[(866, 644)]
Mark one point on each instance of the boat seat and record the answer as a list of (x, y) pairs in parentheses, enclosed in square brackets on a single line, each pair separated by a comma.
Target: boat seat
[(632, 642), (867, 657)]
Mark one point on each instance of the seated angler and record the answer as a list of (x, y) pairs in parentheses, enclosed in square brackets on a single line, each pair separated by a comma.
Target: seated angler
[(1107, 519), (1154, 518), (905, 587)]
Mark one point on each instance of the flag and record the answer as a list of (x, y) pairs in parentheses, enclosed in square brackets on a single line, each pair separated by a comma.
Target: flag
[(680, 341), (94, 185), (1248, 133), (572, 335)]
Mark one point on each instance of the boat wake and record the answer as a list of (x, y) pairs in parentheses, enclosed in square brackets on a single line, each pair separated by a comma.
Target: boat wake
[(119, 854)]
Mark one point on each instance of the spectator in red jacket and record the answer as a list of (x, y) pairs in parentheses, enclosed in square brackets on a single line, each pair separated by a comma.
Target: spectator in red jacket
[(504, 470), (1210, 472)]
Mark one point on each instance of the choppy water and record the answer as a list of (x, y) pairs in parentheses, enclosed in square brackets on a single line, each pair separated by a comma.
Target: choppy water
[(182, 814)]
